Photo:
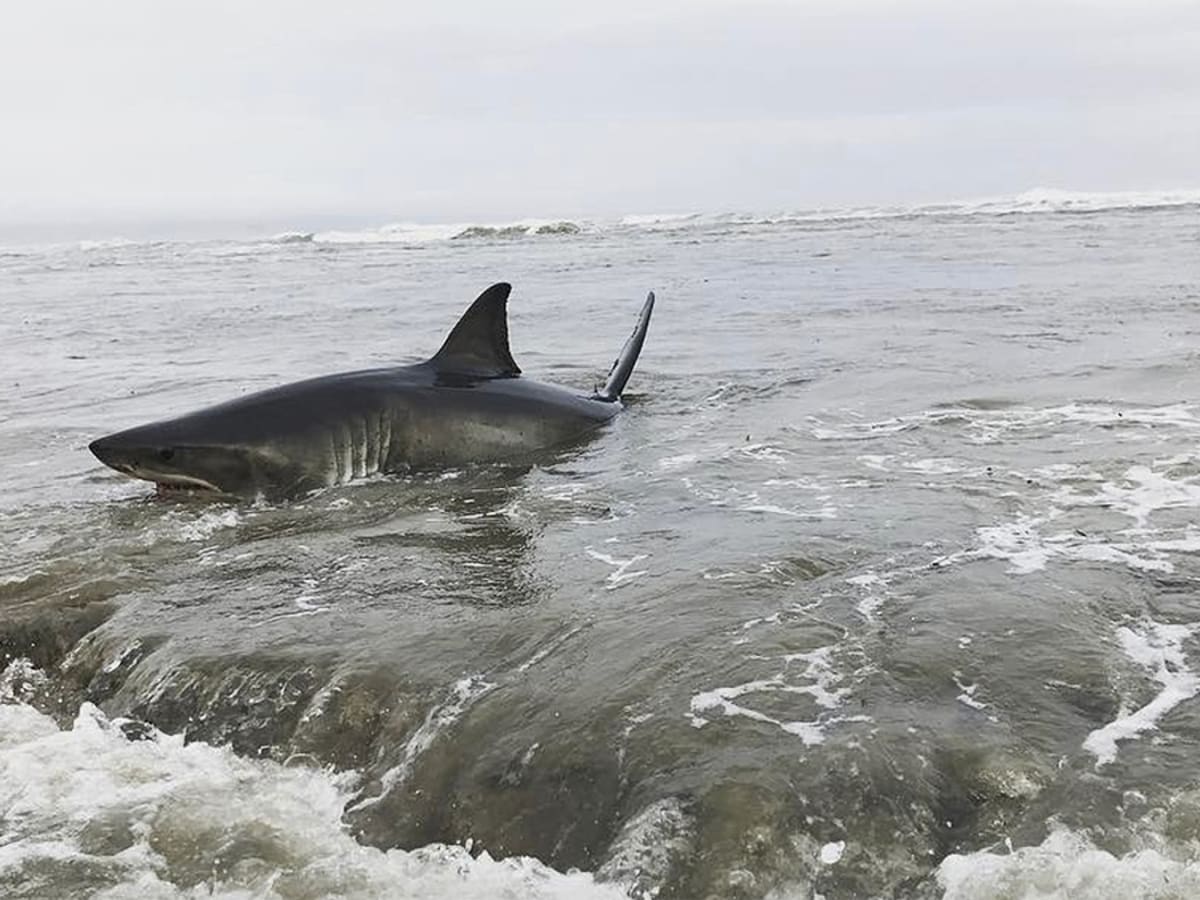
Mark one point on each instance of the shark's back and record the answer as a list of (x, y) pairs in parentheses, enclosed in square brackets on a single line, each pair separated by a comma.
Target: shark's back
[(455, 422)]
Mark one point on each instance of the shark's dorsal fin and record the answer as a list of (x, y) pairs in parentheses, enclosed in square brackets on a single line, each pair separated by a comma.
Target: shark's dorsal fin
[(478, 345)]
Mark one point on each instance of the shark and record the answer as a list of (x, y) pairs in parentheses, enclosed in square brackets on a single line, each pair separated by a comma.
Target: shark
[(467, 404)]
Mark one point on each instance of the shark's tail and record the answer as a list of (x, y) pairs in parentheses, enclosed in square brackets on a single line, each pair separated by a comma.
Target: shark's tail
[(623, 367)]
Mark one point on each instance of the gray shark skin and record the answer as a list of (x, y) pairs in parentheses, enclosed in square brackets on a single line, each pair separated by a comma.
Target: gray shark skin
[(467, 404)]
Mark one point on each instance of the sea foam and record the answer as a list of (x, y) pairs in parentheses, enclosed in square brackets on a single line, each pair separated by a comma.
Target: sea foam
[(160, 818)]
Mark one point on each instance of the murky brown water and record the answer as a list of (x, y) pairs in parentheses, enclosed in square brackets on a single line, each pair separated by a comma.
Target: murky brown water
[(883, 585)]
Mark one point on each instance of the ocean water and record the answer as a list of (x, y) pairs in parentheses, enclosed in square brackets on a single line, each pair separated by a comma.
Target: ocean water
[(883, 585)]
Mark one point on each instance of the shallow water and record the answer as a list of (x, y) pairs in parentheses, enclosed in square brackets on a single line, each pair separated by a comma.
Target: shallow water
[(883, 584)]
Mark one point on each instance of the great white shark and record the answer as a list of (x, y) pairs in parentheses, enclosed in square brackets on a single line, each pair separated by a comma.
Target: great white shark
[(466, 404)]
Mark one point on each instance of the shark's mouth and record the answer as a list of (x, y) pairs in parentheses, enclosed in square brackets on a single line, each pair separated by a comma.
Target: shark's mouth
[(178, 485), (183, 488)]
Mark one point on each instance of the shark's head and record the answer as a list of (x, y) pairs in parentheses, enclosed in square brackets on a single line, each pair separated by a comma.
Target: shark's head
[(179, 466)]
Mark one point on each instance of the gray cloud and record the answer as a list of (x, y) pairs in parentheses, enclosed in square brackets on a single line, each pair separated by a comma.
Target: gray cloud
[(481, 110)]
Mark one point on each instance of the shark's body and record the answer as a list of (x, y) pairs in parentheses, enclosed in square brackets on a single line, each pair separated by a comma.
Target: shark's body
[(467, 404)]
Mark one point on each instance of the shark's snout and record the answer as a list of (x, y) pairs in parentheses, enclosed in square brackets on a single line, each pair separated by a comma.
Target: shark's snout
[(110, 452), (149, 453), (124, 453)]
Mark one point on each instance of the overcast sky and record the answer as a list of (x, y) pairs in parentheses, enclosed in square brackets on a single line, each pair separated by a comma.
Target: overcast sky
[(477, 111)]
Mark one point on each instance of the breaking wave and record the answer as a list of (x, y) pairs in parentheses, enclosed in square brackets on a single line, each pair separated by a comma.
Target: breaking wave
[(1068, 866), (124, 811), (1037, 201), (418, 233), (294, 237)]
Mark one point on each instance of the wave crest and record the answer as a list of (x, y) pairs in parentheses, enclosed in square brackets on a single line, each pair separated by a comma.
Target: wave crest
[(417, 233)]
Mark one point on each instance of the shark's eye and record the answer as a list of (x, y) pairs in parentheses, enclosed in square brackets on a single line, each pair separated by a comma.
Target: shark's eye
[(166, 453)]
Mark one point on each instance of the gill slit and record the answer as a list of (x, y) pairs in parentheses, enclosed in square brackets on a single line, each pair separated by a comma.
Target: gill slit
[(344, 460), (387, 451), (372, 452), (360, 448), (331, 476)]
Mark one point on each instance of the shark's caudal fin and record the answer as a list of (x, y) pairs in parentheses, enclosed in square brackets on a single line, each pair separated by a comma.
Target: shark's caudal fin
[(478, 345), (623, 367)]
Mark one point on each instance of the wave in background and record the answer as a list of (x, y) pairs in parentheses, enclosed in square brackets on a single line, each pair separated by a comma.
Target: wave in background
[(1040, 201)]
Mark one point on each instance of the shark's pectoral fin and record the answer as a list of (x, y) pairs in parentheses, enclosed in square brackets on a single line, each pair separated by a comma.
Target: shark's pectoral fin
[(478, 345)]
